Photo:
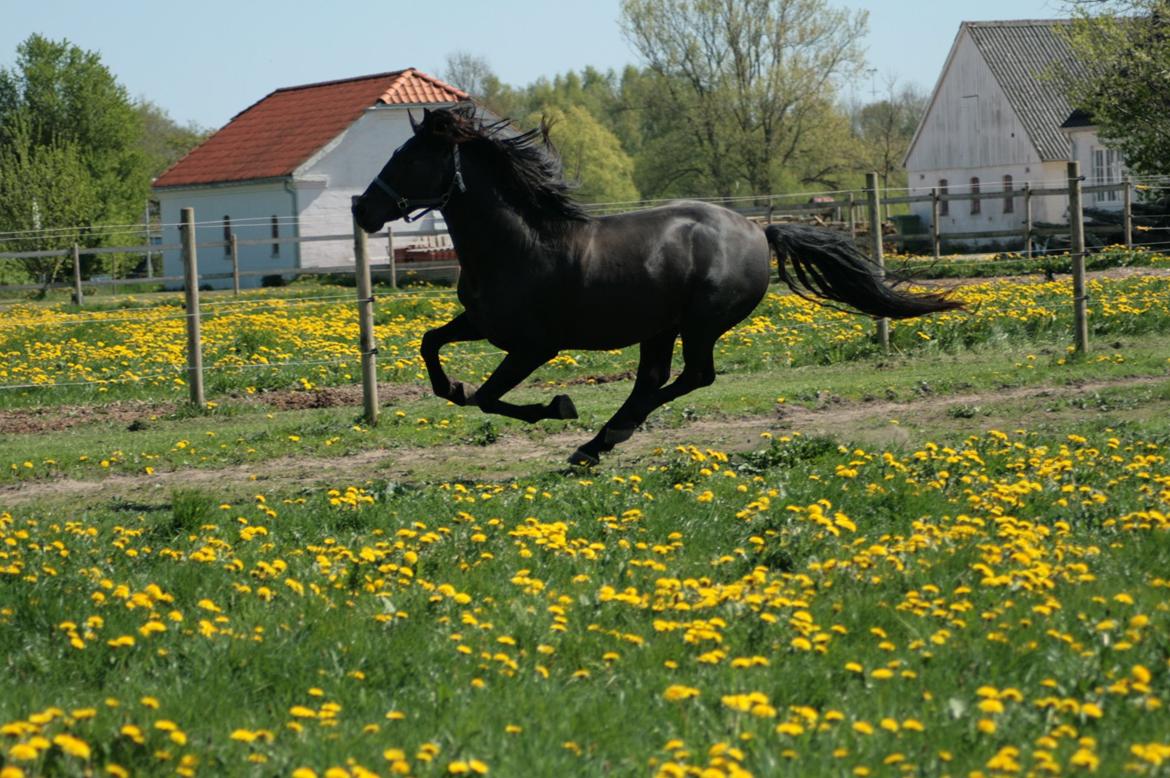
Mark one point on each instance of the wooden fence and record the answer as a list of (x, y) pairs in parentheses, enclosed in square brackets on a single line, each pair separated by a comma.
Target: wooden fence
[(362, 268), (389, 269), (856, 213)]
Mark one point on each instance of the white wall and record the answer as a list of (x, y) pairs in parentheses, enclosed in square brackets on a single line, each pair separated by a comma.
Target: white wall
[(327, 182), (316, 201), (970, 130), (970, 123), (991, 186), (250, 208), (1085, 146)]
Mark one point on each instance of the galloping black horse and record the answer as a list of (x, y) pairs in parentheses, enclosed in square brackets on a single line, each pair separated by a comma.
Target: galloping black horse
[(540, 275)]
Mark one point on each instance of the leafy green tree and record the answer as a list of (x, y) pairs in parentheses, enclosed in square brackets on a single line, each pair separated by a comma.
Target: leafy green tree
[(1125, 85), (592, 156), (165, 141), (60, 102), (744, 84), (43, 186)]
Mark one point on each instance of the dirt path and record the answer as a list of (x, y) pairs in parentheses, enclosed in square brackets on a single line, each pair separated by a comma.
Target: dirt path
[(873, 423)]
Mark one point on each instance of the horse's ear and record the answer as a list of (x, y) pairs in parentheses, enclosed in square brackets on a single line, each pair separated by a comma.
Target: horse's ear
[(414, 126)]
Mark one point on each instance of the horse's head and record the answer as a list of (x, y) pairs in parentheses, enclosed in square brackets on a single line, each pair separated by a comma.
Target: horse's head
[(424, 173)]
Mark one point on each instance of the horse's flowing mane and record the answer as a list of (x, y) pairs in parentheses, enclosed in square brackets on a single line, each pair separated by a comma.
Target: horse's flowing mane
[(529, 163)]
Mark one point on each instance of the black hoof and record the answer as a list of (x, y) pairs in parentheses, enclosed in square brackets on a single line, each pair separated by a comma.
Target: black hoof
[(582, 458), (562, 407)]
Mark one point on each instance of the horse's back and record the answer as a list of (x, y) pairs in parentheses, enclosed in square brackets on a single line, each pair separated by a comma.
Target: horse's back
[(671, 267), (713, 249)]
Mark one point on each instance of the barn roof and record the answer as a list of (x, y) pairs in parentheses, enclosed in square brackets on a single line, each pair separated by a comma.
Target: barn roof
[(274, 136), (1026, 58)]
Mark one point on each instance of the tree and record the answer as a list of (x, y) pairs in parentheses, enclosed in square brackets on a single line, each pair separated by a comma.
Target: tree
[(591, 155), (885, 129), (60, 103), (1125, 85), (473, 74), (745, 81), (43, 186), (164, 141), (470, 72)]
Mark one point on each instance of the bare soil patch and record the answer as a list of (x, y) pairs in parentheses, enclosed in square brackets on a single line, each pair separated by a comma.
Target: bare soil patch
[(872, 423), (53, 418)]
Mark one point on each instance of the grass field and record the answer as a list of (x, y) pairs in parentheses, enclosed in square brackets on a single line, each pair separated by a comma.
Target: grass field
[(954, 560)]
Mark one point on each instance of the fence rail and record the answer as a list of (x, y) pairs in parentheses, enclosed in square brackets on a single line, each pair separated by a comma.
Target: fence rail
[(850, 209), (363, 268)]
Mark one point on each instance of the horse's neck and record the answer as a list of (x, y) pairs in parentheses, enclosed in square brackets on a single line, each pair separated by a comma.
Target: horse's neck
[(490, 235)]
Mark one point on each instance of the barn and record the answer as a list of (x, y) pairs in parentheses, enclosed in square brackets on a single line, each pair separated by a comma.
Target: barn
[(998, 119), (287, 166)]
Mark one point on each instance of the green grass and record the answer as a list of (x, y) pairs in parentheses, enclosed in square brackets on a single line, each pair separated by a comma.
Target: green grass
[(290, 340), (1005, 567), (957, 566), (240, 431)]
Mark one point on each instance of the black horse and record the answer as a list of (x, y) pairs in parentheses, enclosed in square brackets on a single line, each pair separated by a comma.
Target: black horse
[(539, 274)]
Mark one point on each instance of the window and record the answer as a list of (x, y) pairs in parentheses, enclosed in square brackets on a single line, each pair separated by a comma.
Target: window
[(944, 205), (227, 236), (1009, 198), (1106, 170), (275, 236), (976, 205)]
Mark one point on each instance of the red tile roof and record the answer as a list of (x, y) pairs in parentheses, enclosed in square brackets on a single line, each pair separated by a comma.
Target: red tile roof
[(276, 135)]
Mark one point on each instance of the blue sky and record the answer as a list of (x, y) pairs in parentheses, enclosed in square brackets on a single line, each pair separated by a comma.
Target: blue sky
[(206, 61)]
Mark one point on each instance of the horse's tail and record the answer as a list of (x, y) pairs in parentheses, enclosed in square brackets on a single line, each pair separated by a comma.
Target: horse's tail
[(827, 264)]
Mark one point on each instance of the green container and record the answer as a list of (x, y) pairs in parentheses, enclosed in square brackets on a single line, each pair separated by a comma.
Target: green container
[(908, 224)]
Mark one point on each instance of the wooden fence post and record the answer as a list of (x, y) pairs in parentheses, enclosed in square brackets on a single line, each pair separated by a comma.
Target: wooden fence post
[(875, 234), (935, 216), (852, 218), (191, 289), (365, 301), (1076, 223), (393, 260), (1028, 220), (77, 298), (1127, 210), (235, 252)]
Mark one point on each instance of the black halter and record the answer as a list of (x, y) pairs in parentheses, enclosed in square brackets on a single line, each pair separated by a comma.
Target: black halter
[(431, 203)]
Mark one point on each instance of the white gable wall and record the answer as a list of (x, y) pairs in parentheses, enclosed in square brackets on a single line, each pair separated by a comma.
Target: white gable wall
[(314, 201), (326, 184), (1099, 165), (250, 208), (971, 131)]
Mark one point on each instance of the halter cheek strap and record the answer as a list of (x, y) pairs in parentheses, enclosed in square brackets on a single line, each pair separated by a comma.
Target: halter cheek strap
[(406, 205)]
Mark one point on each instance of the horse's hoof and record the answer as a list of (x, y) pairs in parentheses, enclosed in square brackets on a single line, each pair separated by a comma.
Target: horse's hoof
[(582, 458), (613, 437), (562, 407)]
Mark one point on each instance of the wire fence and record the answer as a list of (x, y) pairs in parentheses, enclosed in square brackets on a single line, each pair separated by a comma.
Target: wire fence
[(183, 310)]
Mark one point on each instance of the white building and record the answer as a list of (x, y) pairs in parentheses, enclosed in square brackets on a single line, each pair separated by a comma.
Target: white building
[(998, 119), (288, 166)]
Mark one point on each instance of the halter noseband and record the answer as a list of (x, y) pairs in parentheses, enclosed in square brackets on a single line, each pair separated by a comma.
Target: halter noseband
[(431, 203)]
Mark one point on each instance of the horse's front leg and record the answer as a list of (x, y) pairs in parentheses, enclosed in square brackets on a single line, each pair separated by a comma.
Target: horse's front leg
[(461, 328), (515, 368)]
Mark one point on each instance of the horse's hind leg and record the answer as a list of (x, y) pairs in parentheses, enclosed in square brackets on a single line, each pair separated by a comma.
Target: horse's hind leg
[(515, 368), (653, 372)]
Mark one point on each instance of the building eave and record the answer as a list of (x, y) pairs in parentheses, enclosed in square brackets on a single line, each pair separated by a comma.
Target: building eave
[(222, 184)]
